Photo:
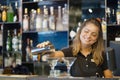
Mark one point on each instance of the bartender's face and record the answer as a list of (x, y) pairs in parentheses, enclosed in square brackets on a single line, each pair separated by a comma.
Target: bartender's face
[(89, 34)]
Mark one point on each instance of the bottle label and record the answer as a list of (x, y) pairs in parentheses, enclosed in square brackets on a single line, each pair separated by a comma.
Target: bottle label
[(15, 43), (25, 25), (10, 17), (4, 16), (38, 24)]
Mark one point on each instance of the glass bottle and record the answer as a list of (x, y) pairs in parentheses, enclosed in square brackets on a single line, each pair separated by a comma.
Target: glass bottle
[(118, 13), (30, 54), (65, 17), (45, 19), (52, 19), (31, 43), (4, 14), (59, 25), (113, 17), (108, 12), (15, 41), (8, 59), (32, 19), (19, 42), (38, 20), (26, 21), (104, 28), (28, 50), (18, 54), (10, 14), (0, 13), (9, 42), (16, 15)]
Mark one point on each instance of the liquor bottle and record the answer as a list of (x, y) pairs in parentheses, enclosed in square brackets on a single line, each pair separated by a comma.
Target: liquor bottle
[(19, 42), (0, 13), (10, 14), (30, 54), (45, 19), (26, 21), (7, 60), (113, 17), (15, 41), (4, 14), (59, 25), (16, 16), (65, 17), (108, 12), (9, 42), (118, 13), (32, 19), (104, 28), (31, 43), (28, 51), (52, 19), (38, 20), (18, 55)]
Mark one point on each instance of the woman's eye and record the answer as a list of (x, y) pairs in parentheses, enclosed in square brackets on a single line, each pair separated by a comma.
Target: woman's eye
[(94, 35)]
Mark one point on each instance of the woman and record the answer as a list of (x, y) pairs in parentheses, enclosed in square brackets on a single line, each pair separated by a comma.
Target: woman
[(88, 48)]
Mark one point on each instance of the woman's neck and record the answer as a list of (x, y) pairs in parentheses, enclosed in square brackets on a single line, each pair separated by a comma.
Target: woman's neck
[(86, 50)]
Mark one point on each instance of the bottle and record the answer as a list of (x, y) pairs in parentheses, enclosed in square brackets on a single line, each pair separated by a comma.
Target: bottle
[(30, 54), (28, 50), (45, 19), (10, 14), (19, 52), (26, 21), (8, 59), (65, 17), (9, 42), (19, 42), (32, 19), (15, 41), (118, 13), (59, 25), (38, 20), (4, 14), (113, 17), (52, 19), (16, 16), (108, 12), (31, 43), (0, 13), (104, 28)]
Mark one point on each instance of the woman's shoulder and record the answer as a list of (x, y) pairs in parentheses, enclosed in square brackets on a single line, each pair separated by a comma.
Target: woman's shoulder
[(67, 51)]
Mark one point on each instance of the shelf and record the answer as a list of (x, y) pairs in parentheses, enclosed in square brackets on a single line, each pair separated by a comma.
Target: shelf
[(31, 2), (41, 1), (113, 25), (9, 22), (43, 32), (29, 32), (49, 3)]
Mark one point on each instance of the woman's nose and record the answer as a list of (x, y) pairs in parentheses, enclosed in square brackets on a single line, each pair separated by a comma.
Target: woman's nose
[(88, 35)]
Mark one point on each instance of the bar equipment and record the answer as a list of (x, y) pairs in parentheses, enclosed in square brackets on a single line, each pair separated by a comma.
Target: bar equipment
[(69, 62)]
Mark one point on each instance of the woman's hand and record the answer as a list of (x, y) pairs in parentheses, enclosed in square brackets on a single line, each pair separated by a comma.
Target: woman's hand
[(43, 44), (51, 52), (46, 44)]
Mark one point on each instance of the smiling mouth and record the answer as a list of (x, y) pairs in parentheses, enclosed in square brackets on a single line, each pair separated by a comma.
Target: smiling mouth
[(87, 40)]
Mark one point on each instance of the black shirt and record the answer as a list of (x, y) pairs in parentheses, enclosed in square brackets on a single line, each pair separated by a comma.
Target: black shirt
[(85, 66)]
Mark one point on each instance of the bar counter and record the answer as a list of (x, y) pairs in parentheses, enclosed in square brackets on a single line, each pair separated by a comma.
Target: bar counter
[(36, 77)]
